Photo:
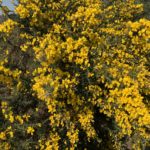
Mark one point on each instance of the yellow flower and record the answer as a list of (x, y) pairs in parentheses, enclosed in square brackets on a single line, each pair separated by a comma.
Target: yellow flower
[(20, 120), (30, 130), (11, 118), (2, 136), (26, 117), (11, 134)]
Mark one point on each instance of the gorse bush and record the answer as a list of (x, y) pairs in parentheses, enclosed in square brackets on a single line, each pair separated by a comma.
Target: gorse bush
[(74, 75)]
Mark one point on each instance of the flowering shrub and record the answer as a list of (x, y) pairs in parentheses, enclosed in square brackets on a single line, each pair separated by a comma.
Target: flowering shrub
[(74, 75)]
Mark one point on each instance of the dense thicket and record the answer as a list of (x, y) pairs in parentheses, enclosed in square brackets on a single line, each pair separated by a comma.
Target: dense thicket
[(74, 75)]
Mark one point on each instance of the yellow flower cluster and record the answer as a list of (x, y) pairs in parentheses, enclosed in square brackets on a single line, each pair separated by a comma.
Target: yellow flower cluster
[(30, 130), (8, 26), (85, 59)]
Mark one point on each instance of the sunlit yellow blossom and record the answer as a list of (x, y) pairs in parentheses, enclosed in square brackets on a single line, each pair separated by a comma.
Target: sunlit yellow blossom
[(30, 130)]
